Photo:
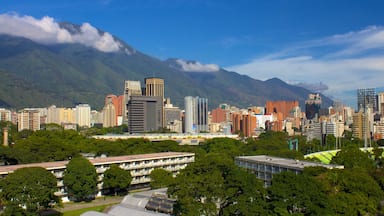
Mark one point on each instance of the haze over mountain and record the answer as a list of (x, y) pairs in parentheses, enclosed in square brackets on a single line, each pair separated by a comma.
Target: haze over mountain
[(67, 64)]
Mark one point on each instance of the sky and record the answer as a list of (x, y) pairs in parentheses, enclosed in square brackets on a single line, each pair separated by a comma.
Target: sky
[(338, 44)]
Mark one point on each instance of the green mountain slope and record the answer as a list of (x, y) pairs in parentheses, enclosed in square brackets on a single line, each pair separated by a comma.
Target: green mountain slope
[(35, 75)]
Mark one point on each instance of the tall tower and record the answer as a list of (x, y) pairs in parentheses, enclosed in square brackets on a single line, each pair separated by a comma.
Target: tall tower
[(366, 98), (83, 115), (380, 103), (109, 112), (196, 114), (312, 106), (5, 136), (154, 87), (144, 114), (131, 88)]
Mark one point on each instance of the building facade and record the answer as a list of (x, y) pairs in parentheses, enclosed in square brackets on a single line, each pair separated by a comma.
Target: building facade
[(145, 114), (140, 166), (28, 119), (264, 167), (83, 115), (196, 114), (312, 106), (366, 98)]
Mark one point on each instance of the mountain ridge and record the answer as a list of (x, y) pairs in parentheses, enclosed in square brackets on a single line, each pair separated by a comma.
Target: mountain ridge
[(67, 74)]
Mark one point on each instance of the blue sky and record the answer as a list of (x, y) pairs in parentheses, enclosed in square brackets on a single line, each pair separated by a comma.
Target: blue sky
[(339, 43)]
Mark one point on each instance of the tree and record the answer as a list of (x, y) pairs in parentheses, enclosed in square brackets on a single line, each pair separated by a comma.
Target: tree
[(215, 185), (116, 178), (160, 178), (292, 193), (28, 190), (80, 179), (352, 157)]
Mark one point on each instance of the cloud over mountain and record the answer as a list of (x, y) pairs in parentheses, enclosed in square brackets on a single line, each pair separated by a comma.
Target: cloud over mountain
[(47, 31), (195, 66)]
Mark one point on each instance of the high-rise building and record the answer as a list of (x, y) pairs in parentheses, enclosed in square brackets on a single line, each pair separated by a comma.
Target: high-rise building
[(28, 119), (83, 115), (145, 114), (380, 103), (131, 88), (5, 115), (154, 87), (312, 106), (284, 107), (109, 112), (366, 98), (196, 114)]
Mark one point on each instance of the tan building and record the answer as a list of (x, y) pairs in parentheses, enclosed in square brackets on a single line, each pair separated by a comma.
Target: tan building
[(28, 119), (154, 87)]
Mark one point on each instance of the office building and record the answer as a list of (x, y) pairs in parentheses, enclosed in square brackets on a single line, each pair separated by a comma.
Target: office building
[(264, 167), (196, 114), (145, 114), (83, 115), (140, 167), (154, 87), (380, 103), (131, 88), (284, 107), (28, 119), (366, 98), (109, 112), (312, 106)]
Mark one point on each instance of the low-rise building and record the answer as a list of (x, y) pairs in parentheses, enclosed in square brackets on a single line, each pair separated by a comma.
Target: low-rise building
[(140, 167), (264, 166)]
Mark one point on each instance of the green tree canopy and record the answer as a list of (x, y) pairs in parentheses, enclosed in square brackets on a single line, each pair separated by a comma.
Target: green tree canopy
[(214, 184), (352, 157), (161, 178), (32, 188), (116, 178), (80, 179), (292, 193)]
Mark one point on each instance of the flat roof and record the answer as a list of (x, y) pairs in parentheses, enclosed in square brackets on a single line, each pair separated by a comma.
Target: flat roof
[(285, 162), (96, 161)]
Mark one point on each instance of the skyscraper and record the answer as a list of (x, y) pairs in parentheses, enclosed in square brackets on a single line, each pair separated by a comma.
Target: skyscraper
[(366, 98), (145, 114), (154, 87), (380, 103), (196, 114), (312, 106), (109, 112), (83, 115), (131, 88)]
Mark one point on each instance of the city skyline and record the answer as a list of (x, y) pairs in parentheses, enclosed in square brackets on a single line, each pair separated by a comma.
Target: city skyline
[(337, 44)]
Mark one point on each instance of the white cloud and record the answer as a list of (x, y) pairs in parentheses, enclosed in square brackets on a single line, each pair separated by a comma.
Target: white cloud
[(197, 66), (47, 31), (354, 60)]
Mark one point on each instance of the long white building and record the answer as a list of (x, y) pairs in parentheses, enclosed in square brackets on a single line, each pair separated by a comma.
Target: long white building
[(140, 167)]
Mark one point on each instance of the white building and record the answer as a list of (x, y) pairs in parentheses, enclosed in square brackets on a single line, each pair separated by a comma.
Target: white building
[(196, 114), (140, 167), (83, 115)]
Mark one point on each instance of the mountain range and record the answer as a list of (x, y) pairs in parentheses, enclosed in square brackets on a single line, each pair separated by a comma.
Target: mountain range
[(38, 75)]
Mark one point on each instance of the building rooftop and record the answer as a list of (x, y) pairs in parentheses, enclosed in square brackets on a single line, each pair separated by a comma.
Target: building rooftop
[(285, 162)]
